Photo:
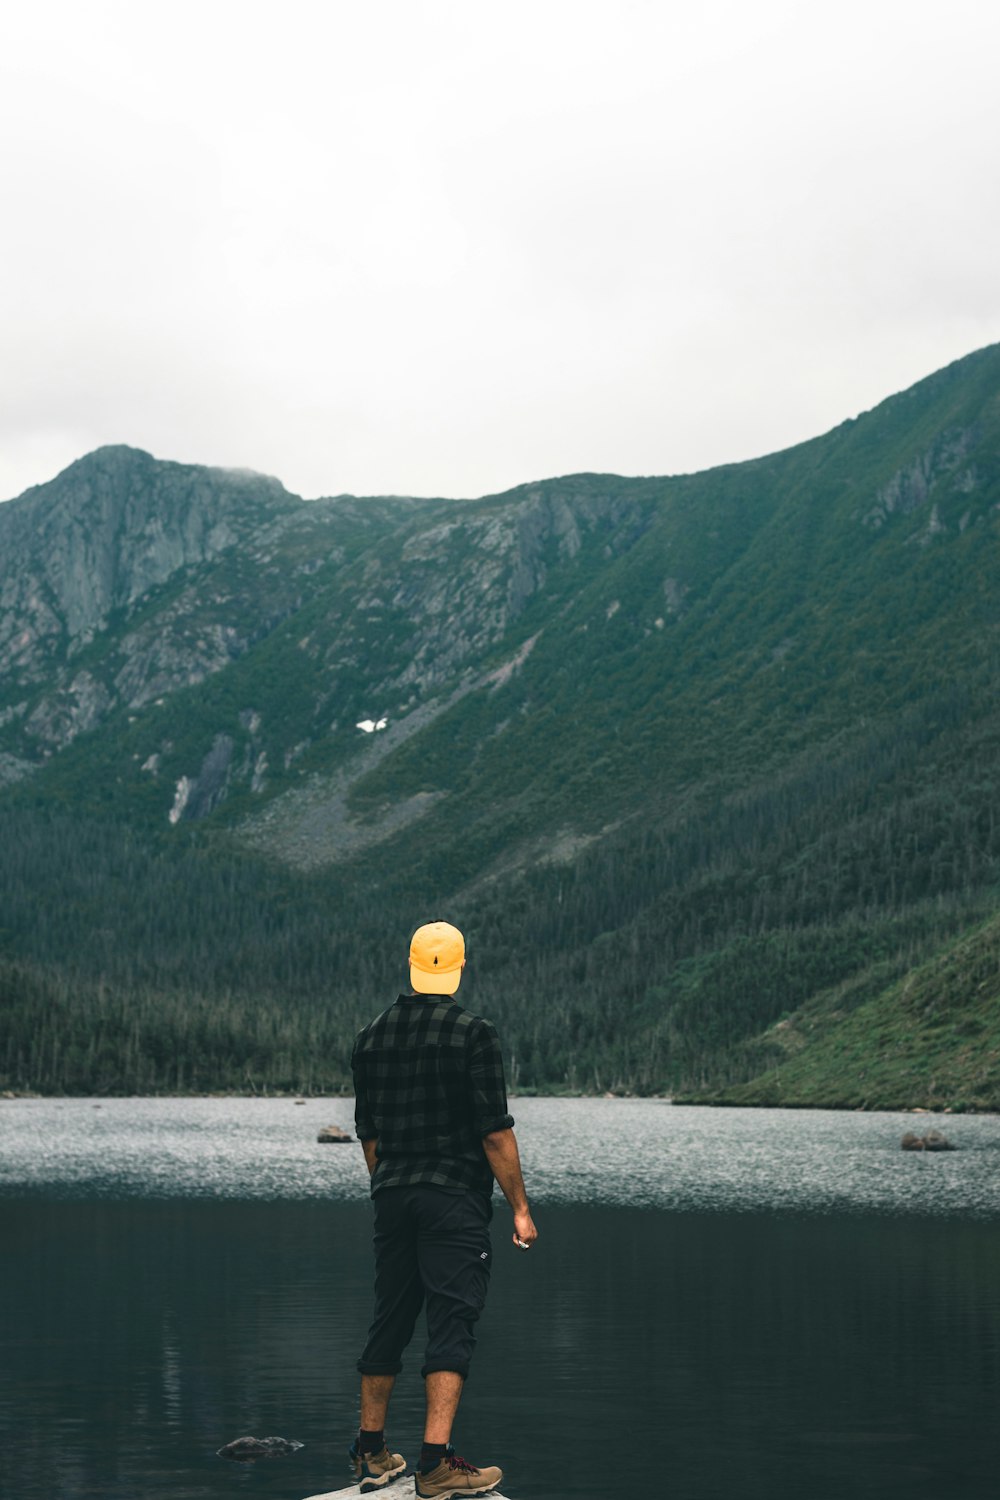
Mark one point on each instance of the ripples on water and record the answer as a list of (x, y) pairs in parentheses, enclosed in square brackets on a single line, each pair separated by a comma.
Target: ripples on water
[(818, 1316), (615, 1152)]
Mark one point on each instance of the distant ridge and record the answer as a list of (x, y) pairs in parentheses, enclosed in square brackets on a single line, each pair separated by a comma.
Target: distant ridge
[(689, 757)]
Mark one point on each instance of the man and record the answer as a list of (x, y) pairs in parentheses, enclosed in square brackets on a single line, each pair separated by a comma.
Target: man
[(431, 1115)]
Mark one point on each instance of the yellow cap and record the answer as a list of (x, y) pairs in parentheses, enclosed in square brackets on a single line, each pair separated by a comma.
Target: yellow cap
[(437, 957)]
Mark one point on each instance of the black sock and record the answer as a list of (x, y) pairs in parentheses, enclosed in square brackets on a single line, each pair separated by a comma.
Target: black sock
[(431, 1455), (371, 1442)]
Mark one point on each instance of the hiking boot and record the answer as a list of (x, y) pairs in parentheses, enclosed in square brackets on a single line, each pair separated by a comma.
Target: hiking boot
[(453, 1476), (374, 1471)]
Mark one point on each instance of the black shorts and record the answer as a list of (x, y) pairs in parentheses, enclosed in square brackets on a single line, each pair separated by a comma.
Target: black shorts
[(432, 1247)]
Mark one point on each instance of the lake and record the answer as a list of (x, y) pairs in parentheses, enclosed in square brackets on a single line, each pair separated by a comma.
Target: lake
[(722, 1303)]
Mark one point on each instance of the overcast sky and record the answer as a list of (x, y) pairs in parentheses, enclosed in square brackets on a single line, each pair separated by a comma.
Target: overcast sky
[(429, 247)]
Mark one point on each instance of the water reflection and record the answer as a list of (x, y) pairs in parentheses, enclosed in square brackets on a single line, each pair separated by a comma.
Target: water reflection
[(737, 1355)]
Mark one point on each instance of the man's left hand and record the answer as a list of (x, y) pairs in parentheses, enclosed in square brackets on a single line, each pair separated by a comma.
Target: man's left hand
[(525, 1233)]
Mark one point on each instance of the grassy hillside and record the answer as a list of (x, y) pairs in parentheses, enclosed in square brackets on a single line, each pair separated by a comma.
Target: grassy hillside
[(930, 1039)]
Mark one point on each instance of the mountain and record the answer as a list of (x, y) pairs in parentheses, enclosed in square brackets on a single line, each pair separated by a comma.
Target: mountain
[(684, 755)]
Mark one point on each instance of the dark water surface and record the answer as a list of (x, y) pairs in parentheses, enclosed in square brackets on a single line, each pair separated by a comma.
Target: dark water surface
[(743, 1333)]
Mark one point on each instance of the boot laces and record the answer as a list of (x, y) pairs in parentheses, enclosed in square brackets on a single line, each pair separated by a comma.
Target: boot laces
[(460, 1464)]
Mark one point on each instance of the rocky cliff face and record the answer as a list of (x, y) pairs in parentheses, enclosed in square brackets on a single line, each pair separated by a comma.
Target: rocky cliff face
[(126, 580), (333, 669), (88, 620), (110, 529)]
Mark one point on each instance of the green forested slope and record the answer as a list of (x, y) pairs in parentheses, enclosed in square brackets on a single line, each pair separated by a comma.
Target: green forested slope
[(931, 1039), (682, 755)]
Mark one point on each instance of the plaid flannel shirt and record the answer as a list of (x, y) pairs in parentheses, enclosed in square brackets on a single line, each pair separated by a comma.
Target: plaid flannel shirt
[(429, 1084)]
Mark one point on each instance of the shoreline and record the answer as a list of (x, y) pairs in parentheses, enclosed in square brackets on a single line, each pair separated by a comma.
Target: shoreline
[(681, 1101)]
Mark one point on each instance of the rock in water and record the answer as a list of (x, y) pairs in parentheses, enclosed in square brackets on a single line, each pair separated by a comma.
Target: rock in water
[(932, 1141), (333, 1133), (247, 1450)]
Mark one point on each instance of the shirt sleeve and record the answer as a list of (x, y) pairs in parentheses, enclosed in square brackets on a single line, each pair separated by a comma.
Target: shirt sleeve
[(489, 1089), (364, 1124)]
